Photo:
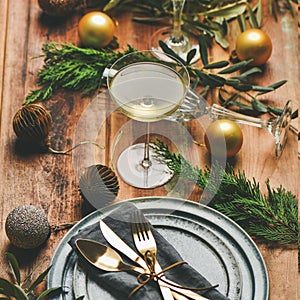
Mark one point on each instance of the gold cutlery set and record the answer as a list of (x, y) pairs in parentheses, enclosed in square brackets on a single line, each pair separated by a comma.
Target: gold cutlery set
[(107, 259)]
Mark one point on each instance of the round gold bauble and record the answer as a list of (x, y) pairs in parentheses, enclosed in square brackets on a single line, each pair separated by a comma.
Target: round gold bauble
[(254, 44), (223, 138)]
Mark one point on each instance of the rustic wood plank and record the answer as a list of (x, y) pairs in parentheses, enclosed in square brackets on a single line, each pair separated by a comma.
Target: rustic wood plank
[(51, 181), (3, 36)]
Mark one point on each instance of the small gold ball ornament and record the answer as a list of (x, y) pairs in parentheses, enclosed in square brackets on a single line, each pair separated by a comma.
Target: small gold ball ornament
[(223, 138), (32, 123), (99, 185)]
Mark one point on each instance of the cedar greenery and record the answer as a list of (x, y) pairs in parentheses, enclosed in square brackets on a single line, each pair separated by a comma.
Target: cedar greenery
[(81, 69), (73, 68), (272, 217)]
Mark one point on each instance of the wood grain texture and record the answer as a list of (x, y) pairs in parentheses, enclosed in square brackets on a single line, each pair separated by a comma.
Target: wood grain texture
[(51, 181)]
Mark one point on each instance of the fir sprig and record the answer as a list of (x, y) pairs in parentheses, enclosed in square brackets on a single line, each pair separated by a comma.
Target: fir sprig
[(70, 67), (272, 217)]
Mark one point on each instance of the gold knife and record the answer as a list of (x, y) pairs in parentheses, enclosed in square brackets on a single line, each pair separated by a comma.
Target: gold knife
[(114, 240)]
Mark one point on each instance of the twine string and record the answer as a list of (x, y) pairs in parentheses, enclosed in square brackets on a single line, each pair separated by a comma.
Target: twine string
[(144, 278)]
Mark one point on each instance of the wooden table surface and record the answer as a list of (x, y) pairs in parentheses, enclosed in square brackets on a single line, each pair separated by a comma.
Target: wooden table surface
[(51, 181)]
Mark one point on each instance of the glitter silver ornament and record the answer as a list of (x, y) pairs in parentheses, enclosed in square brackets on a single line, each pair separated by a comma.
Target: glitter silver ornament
[(27, 227)]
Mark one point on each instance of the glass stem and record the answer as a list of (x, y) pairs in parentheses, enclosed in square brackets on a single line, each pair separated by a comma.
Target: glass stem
[(177, 35), (146, 163), (217, 112)]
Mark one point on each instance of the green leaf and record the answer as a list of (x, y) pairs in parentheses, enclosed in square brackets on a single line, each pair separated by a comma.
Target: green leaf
[(295, 114), (274, 86), (148, 19), (233, 82), (111, 4), (264, 89), (217, 64), (243, 87), (242, 22), (228, 11), (221, 39), (236, 67), (9, 289), (169, 51), (259, 13), (203, 49), (220, 32), (210, 79), (275, 110), (226, 102), (14, 265), (40, 278), (251, 71), (258, 106), (191, 54), (252, 18), (48, 292)]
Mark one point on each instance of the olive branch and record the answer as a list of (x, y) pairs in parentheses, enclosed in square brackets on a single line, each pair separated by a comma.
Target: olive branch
[(23, 289)]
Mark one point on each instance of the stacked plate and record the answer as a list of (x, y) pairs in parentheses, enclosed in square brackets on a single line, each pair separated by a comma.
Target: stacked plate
[(209, 241)]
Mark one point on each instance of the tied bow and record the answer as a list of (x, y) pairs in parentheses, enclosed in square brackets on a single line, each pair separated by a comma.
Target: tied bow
[(145, 277)]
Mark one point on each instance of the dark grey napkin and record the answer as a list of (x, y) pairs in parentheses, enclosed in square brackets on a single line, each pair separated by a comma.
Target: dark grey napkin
[(120, 284)]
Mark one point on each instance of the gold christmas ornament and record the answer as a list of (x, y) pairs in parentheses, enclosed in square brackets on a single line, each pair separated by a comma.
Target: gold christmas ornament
[(223, 138), (99, 185), (32, 123)]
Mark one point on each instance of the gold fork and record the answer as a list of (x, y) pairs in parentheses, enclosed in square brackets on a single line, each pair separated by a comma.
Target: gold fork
[(144, 242)]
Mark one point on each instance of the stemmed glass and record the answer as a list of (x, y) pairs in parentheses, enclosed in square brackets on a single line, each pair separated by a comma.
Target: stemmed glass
[(147, 87), (195, 106), (174, 37)]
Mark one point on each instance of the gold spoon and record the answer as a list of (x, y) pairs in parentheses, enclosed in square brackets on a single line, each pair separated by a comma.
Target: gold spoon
[(103, 257), (107, 259)]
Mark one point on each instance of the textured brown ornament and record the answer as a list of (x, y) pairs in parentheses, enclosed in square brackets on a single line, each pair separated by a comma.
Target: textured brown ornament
[(59, 8), (99, 185), (32, 123)]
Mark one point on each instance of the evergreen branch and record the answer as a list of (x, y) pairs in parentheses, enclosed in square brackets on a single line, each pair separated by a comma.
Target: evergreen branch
[(272, 217), (69, 67)]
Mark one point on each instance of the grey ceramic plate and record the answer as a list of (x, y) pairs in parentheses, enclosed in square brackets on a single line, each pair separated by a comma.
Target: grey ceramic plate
[(230, 236), (205, 252)]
